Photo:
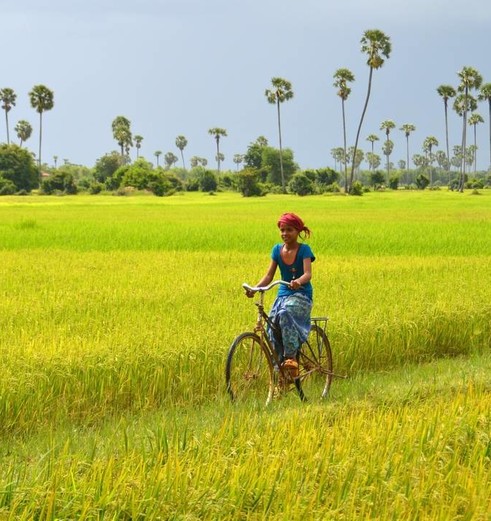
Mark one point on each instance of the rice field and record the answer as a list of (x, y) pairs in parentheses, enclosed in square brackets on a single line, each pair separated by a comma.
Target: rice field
[(116, 314)]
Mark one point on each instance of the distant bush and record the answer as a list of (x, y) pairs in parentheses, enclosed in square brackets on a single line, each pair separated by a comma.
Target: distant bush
[(300, 184), (161, 186), (208, 181), (17, 166), (333, 188), (377, 178), (95, 188), (394, 181), (422, 181), (59, 182), (7, 187), (248, 183), (356, 188)]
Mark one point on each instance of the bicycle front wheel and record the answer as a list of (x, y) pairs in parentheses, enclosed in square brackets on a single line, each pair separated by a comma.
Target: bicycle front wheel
[(315, 364), (249, 371)]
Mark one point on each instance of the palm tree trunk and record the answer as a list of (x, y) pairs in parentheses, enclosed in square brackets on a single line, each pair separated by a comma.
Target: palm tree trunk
[(475, 148), (446, 140), (359, 127), (182, 157), (448, 148), (388, 156), (7, 123), (464, 143), (407, 159), (344, 144), (218, 152), (40, 143), (489, 101), (281, 149)]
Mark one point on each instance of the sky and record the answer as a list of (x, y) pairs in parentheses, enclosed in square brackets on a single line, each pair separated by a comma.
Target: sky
[(181, 67)]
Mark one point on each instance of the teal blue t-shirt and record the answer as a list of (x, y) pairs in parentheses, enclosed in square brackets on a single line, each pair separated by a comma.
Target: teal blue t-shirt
[(294, 270)]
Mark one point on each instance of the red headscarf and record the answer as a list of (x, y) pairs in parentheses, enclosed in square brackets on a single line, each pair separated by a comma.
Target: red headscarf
[(293, 220)]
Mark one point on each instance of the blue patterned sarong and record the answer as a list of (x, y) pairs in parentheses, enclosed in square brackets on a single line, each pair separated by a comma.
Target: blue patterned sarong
[(291, 313)]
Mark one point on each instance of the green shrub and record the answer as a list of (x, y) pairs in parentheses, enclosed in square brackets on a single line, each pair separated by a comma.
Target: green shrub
[(248, 183), (59, 182), (356, 188), (95, 188), (422, 181), (394, 181), (333, 188), (17, 165), (7, 187), (301, 184), (208, 181)]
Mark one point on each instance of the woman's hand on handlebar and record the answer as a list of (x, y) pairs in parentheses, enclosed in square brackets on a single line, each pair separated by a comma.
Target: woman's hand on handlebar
[(295, 284), (249, 292)]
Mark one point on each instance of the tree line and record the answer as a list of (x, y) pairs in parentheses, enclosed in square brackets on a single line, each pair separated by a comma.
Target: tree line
[(469, 90), (260, 177)]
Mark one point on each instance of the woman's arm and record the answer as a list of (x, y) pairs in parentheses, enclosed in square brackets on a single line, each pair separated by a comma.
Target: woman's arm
[(307, 274), (268, 277)]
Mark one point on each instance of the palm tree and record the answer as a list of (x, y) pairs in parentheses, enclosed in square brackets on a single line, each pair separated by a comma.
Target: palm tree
[(428, 145), (442, 160), (387, 149), (238, 159), (357, 157), (217, 133), (181, 143), (42, 99), (23, 130), (122, 133), (55, 160), (372, 138), (446, 92), (388, 125), (281, 91), (339, 156), (120, 121), (220, 157), (470, 79), (157, 154), (373, 160), (8, 97), (170, 158), (138, 145), (485, 94), (474, 120), (341, 79), (375, 44), (407, 128)]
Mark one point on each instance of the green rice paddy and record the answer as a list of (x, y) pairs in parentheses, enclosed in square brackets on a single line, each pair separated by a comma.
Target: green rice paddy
[(116, 314)]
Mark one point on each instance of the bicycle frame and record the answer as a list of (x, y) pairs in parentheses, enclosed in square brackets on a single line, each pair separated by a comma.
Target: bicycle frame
[(314, 356), (263, 317)]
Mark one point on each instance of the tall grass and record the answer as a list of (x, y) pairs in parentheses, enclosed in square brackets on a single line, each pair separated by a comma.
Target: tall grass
[(115, 318), (421, 451)]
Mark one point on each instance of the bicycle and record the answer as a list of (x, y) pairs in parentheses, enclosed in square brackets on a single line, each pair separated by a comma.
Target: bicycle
[(253, 369)]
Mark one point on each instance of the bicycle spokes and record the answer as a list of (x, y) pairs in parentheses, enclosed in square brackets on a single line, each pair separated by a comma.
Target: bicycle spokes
[(249, 371)]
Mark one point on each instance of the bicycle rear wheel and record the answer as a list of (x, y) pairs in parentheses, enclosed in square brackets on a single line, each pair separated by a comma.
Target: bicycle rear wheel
[(249, 371), (315, 364)]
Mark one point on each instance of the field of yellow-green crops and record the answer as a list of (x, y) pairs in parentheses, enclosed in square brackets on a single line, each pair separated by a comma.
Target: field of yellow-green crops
[(116, 314)]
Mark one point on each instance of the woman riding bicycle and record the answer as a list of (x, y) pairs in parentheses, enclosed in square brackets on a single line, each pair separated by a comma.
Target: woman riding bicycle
[(291, 310)]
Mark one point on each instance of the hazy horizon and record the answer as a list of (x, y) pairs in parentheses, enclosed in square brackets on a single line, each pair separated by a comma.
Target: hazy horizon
[(182, 67)]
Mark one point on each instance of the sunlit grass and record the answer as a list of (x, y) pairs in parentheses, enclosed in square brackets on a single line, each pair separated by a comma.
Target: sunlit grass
[(115, 318), (413, 444)]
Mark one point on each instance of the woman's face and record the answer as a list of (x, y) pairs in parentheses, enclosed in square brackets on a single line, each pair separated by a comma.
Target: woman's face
[(289, 234)]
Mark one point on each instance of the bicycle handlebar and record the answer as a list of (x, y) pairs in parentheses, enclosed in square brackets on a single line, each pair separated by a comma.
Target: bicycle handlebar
[(265, 288)]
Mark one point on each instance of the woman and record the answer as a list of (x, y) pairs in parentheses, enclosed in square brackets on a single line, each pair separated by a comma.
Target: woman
[(291, 309)]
